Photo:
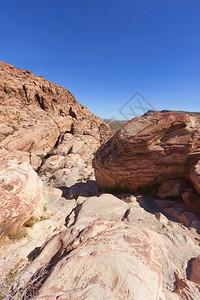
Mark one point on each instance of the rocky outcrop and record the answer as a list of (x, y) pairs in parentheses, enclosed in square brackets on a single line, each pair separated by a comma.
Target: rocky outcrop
[(71, 162), (126, 248), (34, 113), (21, 194), (149, 150)]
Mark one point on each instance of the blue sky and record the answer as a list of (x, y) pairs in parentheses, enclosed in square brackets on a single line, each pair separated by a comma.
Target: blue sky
[(106, 51)]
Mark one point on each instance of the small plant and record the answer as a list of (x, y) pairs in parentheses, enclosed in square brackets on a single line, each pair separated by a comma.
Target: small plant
[(55, 229), (43, 218), (44, 208), (64, 154), (10, 278), (80, 179), (19, 234), (41, 156), (48, 171), (31, 222), (14, 128)]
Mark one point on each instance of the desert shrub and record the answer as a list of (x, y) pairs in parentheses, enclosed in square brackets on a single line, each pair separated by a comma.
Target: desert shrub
[(43, 218), (41, 156), (31, 222), (19, 234)]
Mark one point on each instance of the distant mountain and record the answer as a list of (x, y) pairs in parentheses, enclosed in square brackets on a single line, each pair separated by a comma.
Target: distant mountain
[(150, 112)]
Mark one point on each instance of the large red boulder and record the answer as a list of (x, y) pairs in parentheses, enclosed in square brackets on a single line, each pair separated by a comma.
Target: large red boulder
[(149, 150)]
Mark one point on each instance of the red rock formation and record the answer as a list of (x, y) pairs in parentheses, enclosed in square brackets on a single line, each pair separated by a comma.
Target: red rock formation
[(149, 150), (195, 270), (195, 175), (35, 112), (13, 213), (20, 194), (192, 200)]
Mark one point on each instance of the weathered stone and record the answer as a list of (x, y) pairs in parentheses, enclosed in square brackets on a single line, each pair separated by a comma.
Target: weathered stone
[(192, 200), (195, 175), (195, 270), (21, 194), (171, 188), (149, 150), (13, 213), (41, 114), (103, 261)]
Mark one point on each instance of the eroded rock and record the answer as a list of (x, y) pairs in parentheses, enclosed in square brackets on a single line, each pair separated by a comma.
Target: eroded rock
[(41, 114), (21, 194), (149, 150)]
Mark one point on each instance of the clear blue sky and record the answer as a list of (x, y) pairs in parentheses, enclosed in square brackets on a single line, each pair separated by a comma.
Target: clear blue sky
[(105, 51)]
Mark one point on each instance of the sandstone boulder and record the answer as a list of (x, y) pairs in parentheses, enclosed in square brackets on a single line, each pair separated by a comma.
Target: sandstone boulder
[(149, 150), (13, 213), (21, 193), (195, 270), (171, 188), (195, 175), (192, 200)]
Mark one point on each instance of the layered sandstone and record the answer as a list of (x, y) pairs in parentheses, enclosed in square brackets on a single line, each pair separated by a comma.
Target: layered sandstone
[(21, 194), (116, 249), (149, 150)]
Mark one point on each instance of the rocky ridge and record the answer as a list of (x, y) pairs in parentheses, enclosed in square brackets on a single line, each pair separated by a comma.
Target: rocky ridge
[(35, 114)]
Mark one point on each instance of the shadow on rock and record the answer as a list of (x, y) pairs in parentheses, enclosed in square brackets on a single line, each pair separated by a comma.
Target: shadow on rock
[(173, 210), (84, 189)]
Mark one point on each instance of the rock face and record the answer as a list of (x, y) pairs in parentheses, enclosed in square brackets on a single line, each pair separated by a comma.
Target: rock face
[(149, 150), (21, 194), (34, 113)]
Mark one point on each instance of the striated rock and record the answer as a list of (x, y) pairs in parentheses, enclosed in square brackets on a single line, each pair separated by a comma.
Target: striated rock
[(171, 188), (195, 270), (106, 263), (187, 290), (195, 175), (149, 150), (53, 220), (13, 213), (35, 113), (21, 193), (118, 248), (192, 200)]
